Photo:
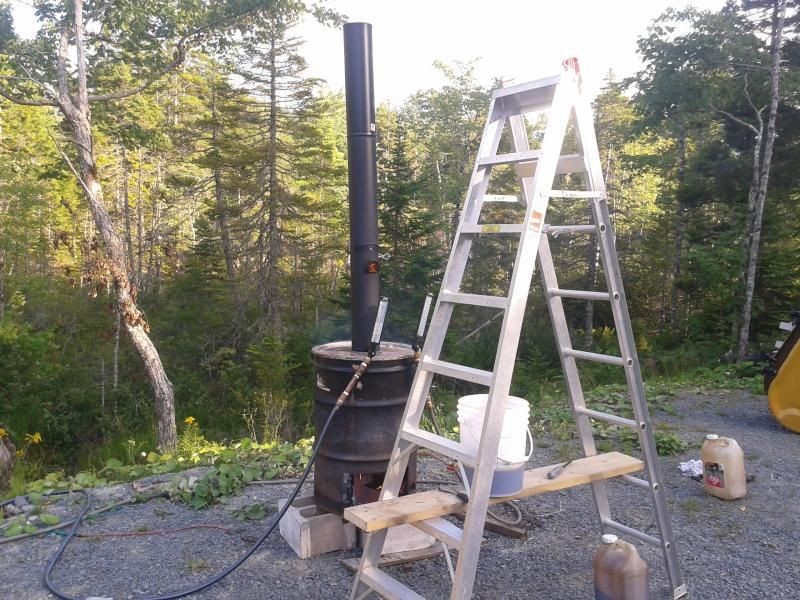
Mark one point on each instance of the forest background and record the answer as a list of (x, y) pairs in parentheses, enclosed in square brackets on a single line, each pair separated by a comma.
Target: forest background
[(173, 217)]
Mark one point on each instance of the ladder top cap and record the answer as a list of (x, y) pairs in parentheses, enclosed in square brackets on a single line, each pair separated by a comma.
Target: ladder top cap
[(527, 86)]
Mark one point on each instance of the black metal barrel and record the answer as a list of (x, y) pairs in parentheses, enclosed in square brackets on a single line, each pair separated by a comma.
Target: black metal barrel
[(363, 177), (360, 439)]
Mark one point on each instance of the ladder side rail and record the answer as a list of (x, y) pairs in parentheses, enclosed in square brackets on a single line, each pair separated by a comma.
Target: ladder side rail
[(509, 341), (451, 281), (569, 367), (454, 273), (619, 308), (519, 136)]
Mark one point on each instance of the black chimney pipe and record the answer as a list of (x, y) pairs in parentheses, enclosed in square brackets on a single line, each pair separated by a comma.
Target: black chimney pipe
[(362, 176)]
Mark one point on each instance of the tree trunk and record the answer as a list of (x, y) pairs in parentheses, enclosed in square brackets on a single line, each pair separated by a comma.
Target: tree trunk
[(222, 209), (126, 210), (133, 319), (680, 230), (779, 16), (115, 367), (77, 114), (271, 307), (139, 223)]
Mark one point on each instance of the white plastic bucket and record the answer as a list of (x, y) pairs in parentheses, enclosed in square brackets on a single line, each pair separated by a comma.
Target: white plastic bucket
[(514, 437)]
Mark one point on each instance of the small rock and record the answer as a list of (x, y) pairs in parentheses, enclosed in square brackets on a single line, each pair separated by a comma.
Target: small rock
[(11, 510), (23, 505)]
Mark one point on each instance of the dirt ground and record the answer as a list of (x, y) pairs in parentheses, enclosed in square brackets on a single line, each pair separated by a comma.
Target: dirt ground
[(745, 549)]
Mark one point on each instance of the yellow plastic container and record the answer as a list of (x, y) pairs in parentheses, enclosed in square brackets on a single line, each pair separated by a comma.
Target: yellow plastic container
[(723, 467), (619, 572), (784, 389)]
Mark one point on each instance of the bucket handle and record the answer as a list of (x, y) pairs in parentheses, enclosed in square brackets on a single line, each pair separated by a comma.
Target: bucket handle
[(503, 460)]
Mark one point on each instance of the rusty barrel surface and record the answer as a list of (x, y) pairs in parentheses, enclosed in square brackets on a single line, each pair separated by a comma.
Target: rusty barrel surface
[(362, 434)]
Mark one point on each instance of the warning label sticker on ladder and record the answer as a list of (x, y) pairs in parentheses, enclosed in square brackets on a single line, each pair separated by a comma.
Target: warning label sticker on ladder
[(536, 221)]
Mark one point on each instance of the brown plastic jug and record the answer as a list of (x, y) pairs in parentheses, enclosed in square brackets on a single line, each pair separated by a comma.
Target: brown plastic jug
[(723, 467), (619, 573)]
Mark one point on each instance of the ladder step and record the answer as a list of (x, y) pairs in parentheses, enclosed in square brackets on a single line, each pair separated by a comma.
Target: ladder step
[(458, 371), (510, 158), (387, 586), (500, 198), (611, 524), (582, 294), (442, 530), (568, 163), (439, 444), (594, 357), (556, 230), (474, 299), (635, 481), (573, 194), (493, 228), (608, 417)]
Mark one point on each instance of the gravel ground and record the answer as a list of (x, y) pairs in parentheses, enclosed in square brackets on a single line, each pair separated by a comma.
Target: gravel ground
[(745, 549)]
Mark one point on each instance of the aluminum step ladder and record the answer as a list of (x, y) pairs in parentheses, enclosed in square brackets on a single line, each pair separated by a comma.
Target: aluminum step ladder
[(560, 97)]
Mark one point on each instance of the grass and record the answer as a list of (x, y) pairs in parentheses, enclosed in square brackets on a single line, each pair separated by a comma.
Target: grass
[(691, 506), (125, 457)]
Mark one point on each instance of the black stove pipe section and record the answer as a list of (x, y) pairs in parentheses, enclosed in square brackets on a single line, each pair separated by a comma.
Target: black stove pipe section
[(362, 176)]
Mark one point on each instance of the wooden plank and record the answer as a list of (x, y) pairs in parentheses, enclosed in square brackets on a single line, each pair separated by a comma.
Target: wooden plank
[(397, 558), (404, 509), (436, 503)]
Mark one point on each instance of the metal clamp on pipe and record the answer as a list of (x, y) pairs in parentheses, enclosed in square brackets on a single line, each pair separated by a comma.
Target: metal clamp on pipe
[(374, 346)]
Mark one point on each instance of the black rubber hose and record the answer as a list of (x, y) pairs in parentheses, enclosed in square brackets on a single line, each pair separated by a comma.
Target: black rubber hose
[(208, 582)]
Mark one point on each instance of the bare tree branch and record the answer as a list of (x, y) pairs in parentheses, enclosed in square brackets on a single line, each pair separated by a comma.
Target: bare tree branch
[(72, 168), (181, 51), (736, 119), (25, 101), (180, 56), (757, 111)]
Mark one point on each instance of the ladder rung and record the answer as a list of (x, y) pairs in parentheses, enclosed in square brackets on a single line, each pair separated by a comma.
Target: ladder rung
[(572, 194), (442, 530), (439, 444), (568, 163), (635, 481), (510, 158), (556, 230), (387, 586), (595, 357), (610, 523), (474, 299), (493, 228), (500, 198), (458, 371), (601, 416), (581, 294)]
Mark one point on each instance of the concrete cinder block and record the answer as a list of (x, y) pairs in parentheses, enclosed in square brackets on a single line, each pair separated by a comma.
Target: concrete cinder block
[(310, 532)]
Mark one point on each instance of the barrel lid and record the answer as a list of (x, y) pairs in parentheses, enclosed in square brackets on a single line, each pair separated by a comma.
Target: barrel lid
[(609, 538), (712, 436)]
